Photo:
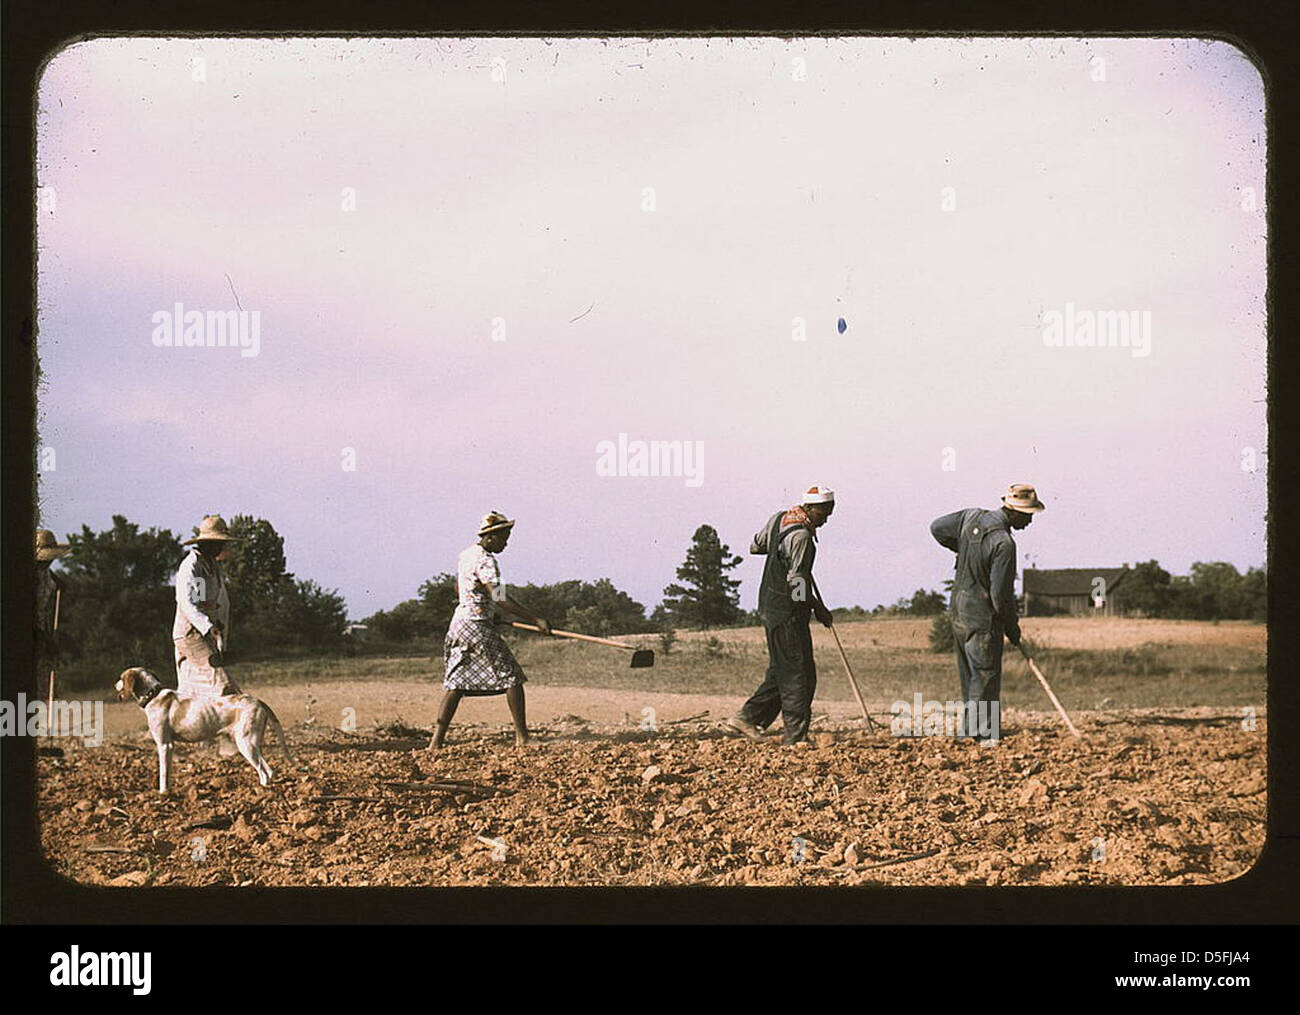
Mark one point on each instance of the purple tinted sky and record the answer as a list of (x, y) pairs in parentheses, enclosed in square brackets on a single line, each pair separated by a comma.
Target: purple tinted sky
[(775, 198)]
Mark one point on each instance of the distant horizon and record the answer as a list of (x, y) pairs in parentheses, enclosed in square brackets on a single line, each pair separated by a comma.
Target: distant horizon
[(371, 289), (649, 606)]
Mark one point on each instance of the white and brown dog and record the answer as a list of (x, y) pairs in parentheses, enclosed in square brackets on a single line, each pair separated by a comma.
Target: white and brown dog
[(237, 718)]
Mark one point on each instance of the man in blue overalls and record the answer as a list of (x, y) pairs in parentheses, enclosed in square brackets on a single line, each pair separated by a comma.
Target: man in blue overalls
[(786, 599), (983, 606)]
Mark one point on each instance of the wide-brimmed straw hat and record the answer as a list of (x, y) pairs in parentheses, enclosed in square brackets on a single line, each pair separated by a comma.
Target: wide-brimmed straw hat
[(819, 493), (1023, 497), (494, 521), (49, 548), (212, 529)]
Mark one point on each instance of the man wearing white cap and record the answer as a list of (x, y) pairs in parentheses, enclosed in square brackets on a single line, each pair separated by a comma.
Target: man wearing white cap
[(478, 660), (786, 599), (202, 622), (983, 606)]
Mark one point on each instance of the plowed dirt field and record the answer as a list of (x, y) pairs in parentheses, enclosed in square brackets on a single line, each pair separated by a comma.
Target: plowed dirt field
[(1151, 797)]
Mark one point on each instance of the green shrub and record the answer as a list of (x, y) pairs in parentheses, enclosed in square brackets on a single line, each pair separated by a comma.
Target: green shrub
[(941, 639)]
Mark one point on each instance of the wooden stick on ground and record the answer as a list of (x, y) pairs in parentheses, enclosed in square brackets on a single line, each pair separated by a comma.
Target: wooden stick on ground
[(689, 718), (890, 863), (358, 799), (901, 859), (469, 788)]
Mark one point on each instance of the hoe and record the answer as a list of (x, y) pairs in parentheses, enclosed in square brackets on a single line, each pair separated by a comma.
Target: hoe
[(641, 657)]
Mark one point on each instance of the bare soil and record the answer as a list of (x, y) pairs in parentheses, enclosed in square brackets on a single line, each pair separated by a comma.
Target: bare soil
[(1156, 796)]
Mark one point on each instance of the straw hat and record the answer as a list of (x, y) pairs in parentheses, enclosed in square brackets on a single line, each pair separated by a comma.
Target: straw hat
[(819, 494), (494, 521), (212, 529), (49, 548), (1023, 497)]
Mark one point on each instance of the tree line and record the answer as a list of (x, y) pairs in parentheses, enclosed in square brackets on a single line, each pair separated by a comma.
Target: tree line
[(703, 596), (586, 607), (119, 602), (1213, 590)]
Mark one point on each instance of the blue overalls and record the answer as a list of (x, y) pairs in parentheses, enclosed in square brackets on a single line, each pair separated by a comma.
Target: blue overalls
[(791, 678), (983, 606)]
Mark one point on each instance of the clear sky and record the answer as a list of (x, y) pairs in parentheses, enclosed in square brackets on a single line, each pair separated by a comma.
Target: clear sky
[(475, 260)]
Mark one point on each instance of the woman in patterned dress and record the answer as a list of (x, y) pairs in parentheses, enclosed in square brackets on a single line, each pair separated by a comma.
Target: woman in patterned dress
[(478, 661)]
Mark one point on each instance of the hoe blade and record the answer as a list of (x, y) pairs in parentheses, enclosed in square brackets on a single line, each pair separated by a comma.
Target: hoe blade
[(642, 658)]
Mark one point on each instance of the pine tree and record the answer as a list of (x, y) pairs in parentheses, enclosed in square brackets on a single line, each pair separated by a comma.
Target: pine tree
[(708, 598)]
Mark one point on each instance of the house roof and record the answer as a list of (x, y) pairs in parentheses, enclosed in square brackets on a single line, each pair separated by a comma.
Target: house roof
[(1071, 581)]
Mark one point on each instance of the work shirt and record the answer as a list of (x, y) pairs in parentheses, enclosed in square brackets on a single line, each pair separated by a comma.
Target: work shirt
[(201, 596), (477, 572), (47, 587), (786, 587), (47, 648), (983, 589)]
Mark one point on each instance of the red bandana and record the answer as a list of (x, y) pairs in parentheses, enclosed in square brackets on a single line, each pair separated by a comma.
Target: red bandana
[(796, 516)]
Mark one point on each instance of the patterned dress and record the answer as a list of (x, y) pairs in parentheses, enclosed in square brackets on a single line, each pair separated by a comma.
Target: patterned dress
[(478, 661), (201, 598)]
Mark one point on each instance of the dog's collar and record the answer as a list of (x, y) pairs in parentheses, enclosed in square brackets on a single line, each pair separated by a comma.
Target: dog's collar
[(158, 688)]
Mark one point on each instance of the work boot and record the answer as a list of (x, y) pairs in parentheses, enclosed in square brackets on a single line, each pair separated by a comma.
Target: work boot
[(739, 726), (796, 732)]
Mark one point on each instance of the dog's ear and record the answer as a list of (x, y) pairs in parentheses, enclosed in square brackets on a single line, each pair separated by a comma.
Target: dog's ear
[(126, 684)]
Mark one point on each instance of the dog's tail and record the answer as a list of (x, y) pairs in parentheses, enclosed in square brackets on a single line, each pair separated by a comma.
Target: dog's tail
[(279, 731)]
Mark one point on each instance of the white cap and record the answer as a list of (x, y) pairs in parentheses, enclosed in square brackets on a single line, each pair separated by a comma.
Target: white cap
[(819, 493)]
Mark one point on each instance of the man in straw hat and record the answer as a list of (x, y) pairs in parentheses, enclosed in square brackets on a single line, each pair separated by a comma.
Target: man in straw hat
[(478, 661), (202, 623), (787, 598), (49, 591), (983, 605)]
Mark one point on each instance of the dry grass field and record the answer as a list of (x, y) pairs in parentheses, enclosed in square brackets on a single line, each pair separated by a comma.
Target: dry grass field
[(1091, 663), (1056, 632)]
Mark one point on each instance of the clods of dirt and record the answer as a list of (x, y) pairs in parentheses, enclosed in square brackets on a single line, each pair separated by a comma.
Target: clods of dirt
[(1132, 803)]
